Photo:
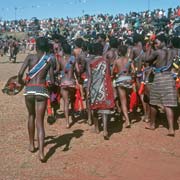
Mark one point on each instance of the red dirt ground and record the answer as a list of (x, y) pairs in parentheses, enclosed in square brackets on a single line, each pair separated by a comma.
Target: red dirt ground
[(79, 154)]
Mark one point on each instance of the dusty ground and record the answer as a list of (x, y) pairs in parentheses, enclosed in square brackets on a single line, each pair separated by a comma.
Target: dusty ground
[(77, 153)]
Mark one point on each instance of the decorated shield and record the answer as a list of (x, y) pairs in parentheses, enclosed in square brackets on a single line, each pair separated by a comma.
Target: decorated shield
[(12, 87)]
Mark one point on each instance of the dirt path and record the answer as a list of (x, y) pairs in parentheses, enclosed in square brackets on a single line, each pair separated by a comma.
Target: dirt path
[(77, 153)]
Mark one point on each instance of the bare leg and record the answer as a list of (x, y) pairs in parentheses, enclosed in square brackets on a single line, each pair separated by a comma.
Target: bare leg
[(96, 123), (153, 113), (170, 118), (41, 103), (30, 104), (65, 96), (123, 99), (147, 113), (146, 100), (143, 104), (117, 104), (88, 109), (105, 132), (89, 114), (178, 120), (71, 96)]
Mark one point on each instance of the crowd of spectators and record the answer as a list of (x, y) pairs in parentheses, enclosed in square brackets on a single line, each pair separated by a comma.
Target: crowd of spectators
[(90, 25), (121, 26)]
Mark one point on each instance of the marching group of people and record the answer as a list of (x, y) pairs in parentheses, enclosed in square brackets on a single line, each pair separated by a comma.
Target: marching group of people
[(9, 47), (104, 73), (101, 75)]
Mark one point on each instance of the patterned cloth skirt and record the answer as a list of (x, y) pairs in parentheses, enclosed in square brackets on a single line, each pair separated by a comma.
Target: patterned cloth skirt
[(101, 89), (37, 90), (163, 90)]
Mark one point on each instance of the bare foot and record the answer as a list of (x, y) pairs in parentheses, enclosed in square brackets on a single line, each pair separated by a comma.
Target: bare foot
[(145, 118), (127, 124), (42, 158), (67, 126), (96, 130), (150, 126), (105, 134), (171, 133), (89, 122), (31, 148)]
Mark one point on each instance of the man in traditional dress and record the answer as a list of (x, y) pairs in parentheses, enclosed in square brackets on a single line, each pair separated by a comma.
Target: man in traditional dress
[(68, 81), (100, 88), (111, 55), (36, 92), (163, 91), (123, 80)]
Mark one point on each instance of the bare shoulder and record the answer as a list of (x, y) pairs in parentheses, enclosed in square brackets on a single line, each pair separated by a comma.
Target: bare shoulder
[(28, 58), (108, 55), (116, 60)]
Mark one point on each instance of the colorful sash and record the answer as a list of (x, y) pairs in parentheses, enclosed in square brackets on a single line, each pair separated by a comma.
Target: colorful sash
[(138, 57), (163, 68), (69, 64), (38, 67)]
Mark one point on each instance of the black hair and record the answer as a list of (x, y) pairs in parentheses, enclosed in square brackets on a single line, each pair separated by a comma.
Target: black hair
[(122, 50), (162, 38), (79, 42), (66, 48), (51, 49), (98, 49), (128, 40), (42, 44), (113, 42), (59, 37), (55, 36), (90, 48), (137, 38), (175, 42), (85, 45), (102, 36)]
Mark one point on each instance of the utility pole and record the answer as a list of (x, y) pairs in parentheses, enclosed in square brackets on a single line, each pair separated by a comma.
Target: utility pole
[(15, 14), (148, 5)]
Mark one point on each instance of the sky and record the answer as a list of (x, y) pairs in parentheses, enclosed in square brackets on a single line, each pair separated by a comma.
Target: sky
[(26, 9)]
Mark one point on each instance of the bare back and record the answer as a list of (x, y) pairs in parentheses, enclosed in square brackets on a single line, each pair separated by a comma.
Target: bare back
[(64, 63), (77, 52), (111, 55), (121, 65), (30, 61), (159, 57)]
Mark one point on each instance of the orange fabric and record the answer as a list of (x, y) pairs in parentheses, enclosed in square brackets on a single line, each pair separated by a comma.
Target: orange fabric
[(78, 105), (133, 98), (141, 89), (49, 109)]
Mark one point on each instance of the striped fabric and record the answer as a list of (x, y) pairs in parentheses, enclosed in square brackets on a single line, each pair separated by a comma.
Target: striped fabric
[(124, 81), (163, 90), (36, 90), (39, 66)]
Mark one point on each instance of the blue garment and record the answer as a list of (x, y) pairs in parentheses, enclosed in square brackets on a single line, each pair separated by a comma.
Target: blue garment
[(162, 69), (41, 63), (69, 64)]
